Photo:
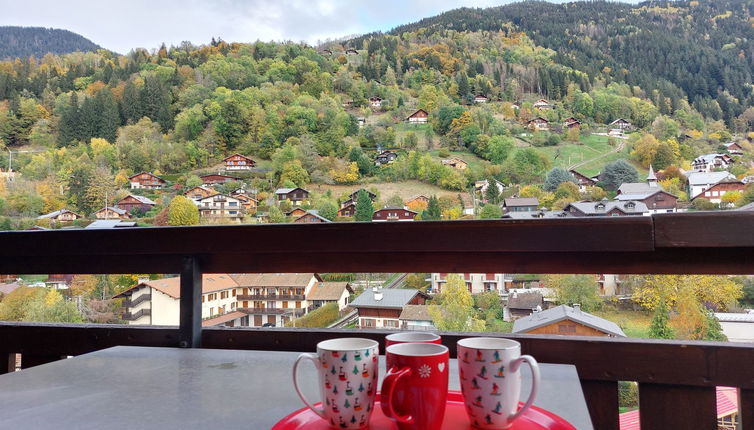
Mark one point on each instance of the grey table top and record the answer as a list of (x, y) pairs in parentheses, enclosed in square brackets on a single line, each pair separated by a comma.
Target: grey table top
[(130, 388)]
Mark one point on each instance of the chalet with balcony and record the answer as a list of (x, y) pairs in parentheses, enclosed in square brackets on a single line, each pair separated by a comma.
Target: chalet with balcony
[(214, 179), (520, 204), (698, 182), (311, 216), (582, 180), (650, 193), (112, 213), (238, 162), (59, 281), (61, 215), (418, 203), (566, 320), (274, 298), (248, 203), (475, 282), (157, 302), (416, 318), (296, 212), (381, 308), (481, 99), (354, 196), (619, 126), (734, 148), (392, 213), (385, 157), (542, 104), (347, 210), (295, 195), (482, 186), (146, 181), (323, 293), (220, 206), (607, 208), (716, 192), (198, 193), (375, 102), (538, 124), (455, 163), (419, 117), (710, 162), (134, 203), (571, 122)]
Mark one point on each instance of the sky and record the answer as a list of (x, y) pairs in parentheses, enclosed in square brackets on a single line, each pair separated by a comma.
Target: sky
[(121, 25)]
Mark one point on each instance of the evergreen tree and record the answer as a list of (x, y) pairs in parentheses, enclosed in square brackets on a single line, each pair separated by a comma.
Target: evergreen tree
[(432, 213), (492, 193), (108, 117), (555, 177), (660, 327), (490, 211), (131, 105), (364, 208), (617, 173), (68, 127), (714, 330)]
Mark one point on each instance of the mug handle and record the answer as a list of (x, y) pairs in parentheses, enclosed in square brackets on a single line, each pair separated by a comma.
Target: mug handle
[(386, 396), (315, 359), (534, 382)]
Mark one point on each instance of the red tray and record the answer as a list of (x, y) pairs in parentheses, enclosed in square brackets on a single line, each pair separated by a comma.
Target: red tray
[(455, 418)]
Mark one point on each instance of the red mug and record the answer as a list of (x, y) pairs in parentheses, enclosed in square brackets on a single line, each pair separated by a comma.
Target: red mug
[(409, 337), (415, 388)]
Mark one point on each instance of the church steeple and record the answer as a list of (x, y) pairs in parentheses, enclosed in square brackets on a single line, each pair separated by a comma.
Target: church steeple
[(651, 178)]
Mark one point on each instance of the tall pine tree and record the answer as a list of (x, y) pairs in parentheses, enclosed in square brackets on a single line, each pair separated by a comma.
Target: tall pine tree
[(131, 104), (68, 126), (660, 327), (364, 208), (432, 213)]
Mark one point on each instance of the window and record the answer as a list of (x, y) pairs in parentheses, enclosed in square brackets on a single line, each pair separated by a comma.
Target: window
[(567, 328), (285, 305), (390, 323), (232, 203), (234, 293), (202, 299), (211, 311), (232, 212), (233, 305), (367, 322)]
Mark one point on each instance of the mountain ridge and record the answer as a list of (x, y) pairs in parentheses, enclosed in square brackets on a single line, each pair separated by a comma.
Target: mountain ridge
[(21, 42)]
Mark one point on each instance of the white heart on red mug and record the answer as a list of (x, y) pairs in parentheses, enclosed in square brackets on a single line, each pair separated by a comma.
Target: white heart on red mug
[(441, 366)]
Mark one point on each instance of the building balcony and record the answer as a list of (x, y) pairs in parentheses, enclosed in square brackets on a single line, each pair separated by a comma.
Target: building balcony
[(128, 316), (130, 303), (677, 380), (297, 312), (293, 297)]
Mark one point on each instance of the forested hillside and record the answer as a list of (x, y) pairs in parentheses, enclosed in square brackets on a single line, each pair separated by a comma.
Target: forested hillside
[(699, 50), (80, 124), (37, 41)]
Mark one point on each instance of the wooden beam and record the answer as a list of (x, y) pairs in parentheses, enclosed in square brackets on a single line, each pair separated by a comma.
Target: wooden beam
[(7, 362), (746, 408), (663, 407), (190, 330), (602, 401), (729, 229)]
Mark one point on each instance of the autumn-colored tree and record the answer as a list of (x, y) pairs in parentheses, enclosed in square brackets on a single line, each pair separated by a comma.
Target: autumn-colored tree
[(182, 211), (51, 306), (12, 305), (713, 290), (453, 308), (84, 285), (346, 174), (294, 172), (570, 289), (490, 212), (418, 281)]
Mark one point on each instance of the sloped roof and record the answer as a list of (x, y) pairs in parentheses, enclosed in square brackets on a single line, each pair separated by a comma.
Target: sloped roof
[(708, 158), (540, 214), (415, 313), (110, 223), (6, 289), (56, 213), (148, 173), (288, 190), (314, 213), (704, 178), (211, 282), (391, 298), (619, 120), (749, 207), (641, 196), (525, 300), (141, 199), (638, 188), (590, 208), (564, 312), (222, 319), (521, 201), (118, 211), (328, 290), (299, 280)]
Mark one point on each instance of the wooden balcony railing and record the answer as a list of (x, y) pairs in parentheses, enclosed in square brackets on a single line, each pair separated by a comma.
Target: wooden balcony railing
[(136, 315), (677, 379), (273, 311), (271, 297), (128, 303)]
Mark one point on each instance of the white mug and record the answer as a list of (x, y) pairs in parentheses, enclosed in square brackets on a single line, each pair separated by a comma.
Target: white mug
[(491, 380), (347, 369)]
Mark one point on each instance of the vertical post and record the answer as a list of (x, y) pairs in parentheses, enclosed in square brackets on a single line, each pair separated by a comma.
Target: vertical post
[(7, 362), (190, 330)]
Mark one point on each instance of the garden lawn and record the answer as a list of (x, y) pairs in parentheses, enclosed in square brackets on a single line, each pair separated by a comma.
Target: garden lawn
[(633, 323), (473, 161)]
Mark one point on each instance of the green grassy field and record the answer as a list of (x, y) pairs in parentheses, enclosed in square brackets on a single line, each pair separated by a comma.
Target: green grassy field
[(406, 189), (474, 162), (633, 323)]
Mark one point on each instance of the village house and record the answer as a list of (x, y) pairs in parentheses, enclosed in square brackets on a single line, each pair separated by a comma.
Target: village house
[(146, 181), (112, 213), (354, 196), (381, 308), (520, 204), (249, 204), (568, 321), (419, 117), (132, 203), (710, 162), (311, 216), (737, 327), (716, 192), (61, 215), (295, 212), (538, 214), (296, 196), (467, 202), (416, 318), (455, 163), (619, 126), (238, 162), (650, 193), (475, 282), (582, 180), (609, 285), (392, 213), (274, 298), (606, 208), (200, 192), (571, 122), (482, 186), (323, 293), (523, 304), (480, 99), (59, 281), (698, 182), (385, 157), (347, 210), (542, 104), (220, 206), (157, 302), (418, 203), (734, 148), (214, 179), (375, 102), (538, 123)]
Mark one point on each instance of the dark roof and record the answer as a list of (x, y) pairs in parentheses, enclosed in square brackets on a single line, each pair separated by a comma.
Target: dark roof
[(415, 313), (525, 300), (564, 312), (520, 201), (391, 298)]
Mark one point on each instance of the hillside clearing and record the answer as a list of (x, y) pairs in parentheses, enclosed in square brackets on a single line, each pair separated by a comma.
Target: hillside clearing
[(406, 189)]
